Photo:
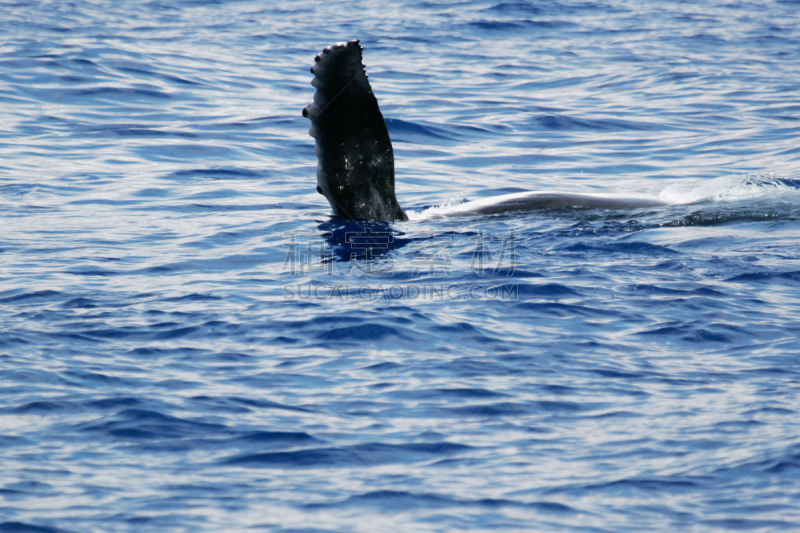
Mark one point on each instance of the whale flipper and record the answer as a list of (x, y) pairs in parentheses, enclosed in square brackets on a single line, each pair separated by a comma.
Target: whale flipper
[(355, 169)]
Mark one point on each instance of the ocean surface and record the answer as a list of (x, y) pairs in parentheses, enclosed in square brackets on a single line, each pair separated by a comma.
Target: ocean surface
[(190, 343)]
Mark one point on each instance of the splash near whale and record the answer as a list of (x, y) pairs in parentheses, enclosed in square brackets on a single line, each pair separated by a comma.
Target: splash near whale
[(355, 170)]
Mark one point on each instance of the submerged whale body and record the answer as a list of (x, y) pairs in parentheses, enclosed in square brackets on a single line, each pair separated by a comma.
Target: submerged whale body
[(355, 169)]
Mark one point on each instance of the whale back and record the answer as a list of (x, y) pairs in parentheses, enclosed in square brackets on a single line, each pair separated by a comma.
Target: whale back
[(355, 169)]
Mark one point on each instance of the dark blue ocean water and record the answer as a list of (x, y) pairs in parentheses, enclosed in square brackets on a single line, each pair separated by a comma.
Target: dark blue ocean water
[(190, 343)]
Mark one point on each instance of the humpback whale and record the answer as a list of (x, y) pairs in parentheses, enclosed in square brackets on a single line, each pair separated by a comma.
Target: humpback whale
[(355, 169)]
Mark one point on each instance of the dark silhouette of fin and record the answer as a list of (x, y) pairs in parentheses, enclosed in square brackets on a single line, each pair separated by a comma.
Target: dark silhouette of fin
[(355, 169)]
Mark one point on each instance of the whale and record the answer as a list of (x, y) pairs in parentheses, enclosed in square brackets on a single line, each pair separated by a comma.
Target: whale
[(355, 160)]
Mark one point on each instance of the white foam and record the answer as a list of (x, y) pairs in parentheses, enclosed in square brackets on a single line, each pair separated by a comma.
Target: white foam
[(732, 188), (437, 210)]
